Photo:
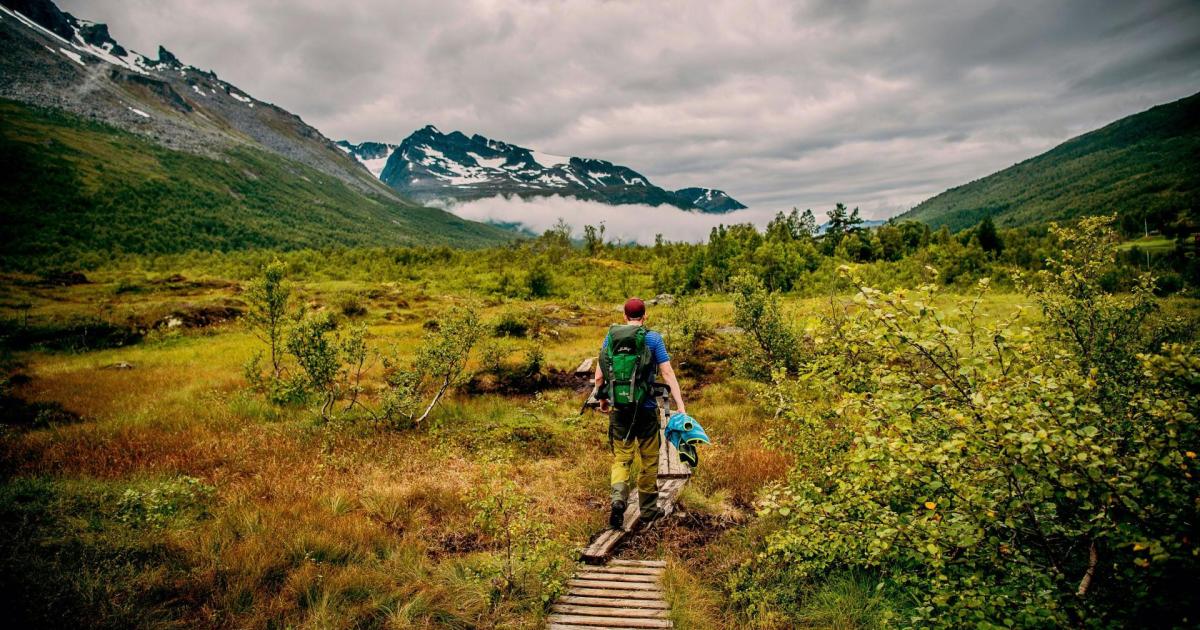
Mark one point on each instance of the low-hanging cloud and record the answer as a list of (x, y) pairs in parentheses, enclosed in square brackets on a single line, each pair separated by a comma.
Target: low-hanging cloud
[(622, 223)]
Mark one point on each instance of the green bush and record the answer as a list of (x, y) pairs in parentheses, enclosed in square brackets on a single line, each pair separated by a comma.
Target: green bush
[(416, 387), (769, 342), (986, 470), (539, 281), (352, 305), (684, 326), (511, 324)]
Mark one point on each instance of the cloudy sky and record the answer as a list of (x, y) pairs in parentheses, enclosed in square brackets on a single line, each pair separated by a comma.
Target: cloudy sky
[(875, 104)]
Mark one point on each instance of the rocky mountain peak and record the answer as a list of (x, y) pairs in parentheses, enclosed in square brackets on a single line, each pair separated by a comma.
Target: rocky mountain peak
[(430, 164), (167, 58)]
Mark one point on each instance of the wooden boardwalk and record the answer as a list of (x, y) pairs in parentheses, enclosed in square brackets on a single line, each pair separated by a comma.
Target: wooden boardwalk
[(623, 593)]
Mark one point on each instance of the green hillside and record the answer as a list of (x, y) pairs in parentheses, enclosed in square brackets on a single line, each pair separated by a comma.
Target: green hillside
[(1143, 166), (74, 192)]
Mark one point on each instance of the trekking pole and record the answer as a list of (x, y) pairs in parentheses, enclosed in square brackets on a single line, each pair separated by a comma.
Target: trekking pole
[(590, 401)]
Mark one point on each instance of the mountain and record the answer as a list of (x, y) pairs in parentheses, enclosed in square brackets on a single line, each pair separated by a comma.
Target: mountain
[(1145, 166), (105, 149), (373, 155), (431, 165), (709, 200)]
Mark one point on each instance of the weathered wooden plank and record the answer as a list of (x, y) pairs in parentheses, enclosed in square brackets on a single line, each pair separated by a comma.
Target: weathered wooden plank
[(611, 584), (608, 611), (587, 367), (572, 626), (669, 465), (583, 591), (638, 563), (615, 602), (626, 570), (602, 547), (617, 622), (613, 576)]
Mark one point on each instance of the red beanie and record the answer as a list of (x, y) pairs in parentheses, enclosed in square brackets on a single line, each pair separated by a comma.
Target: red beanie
[(635, 308)]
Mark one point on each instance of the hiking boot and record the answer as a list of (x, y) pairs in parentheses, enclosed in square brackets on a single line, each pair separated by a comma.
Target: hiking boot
[(616, 518)]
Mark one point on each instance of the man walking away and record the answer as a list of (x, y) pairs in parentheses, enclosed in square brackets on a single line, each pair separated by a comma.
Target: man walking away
[(629, 358)]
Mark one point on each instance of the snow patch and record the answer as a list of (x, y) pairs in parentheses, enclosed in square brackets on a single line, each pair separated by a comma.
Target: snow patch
[(239, 97), (496, 162), (199, 91), (74, 56), (552, 180), (547, 160), (375, 165), (139, 112)]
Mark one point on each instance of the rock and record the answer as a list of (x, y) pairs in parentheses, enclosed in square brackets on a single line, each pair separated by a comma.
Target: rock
[(665, 299), (119, 365), (166, 57)]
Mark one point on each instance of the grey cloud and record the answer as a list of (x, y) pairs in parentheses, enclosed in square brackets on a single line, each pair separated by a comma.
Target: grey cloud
[(875, 104)]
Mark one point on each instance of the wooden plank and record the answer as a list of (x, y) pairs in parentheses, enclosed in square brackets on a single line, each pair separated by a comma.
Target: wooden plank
[(613, 576), (572, 626), (638, 563), (581, 591), (611, 584), (617, 602), (617, 622), (602, 547), (587, 367), (626, 570), (609, 611), (669, 465)]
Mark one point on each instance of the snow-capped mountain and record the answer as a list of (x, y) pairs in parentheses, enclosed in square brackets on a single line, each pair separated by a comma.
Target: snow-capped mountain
[(431, 165), (373, 155), (50, 58), (710, 200), (190, 160)]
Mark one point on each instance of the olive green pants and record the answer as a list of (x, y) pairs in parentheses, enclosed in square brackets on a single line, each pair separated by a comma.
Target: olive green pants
[(624, 452)]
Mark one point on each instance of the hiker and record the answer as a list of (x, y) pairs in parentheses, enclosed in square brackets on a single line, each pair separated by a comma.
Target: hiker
[(625, 383)]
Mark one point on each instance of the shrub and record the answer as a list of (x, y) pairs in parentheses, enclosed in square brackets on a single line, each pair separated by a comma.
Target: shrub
[(684, 327), (268, 298), (510, 324), (315, 350), (984, 472), (531, 563), (352, 305), (416, 388), (770, 343), (539, 281)]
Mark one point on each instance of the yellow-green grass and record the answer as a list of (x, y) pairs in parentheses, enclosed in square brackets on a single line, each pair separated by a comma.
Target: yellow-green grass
[(1152, 244), (345, 523)]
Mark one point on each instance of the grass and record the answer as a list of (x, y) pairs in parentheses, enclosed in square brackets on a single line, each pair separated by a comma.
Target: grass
[(300, 522), (1152, 244)]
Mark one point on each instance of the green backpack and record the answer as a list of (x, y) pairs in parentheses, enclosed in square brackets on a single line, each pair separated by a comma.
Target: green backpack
[(624, 363)]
